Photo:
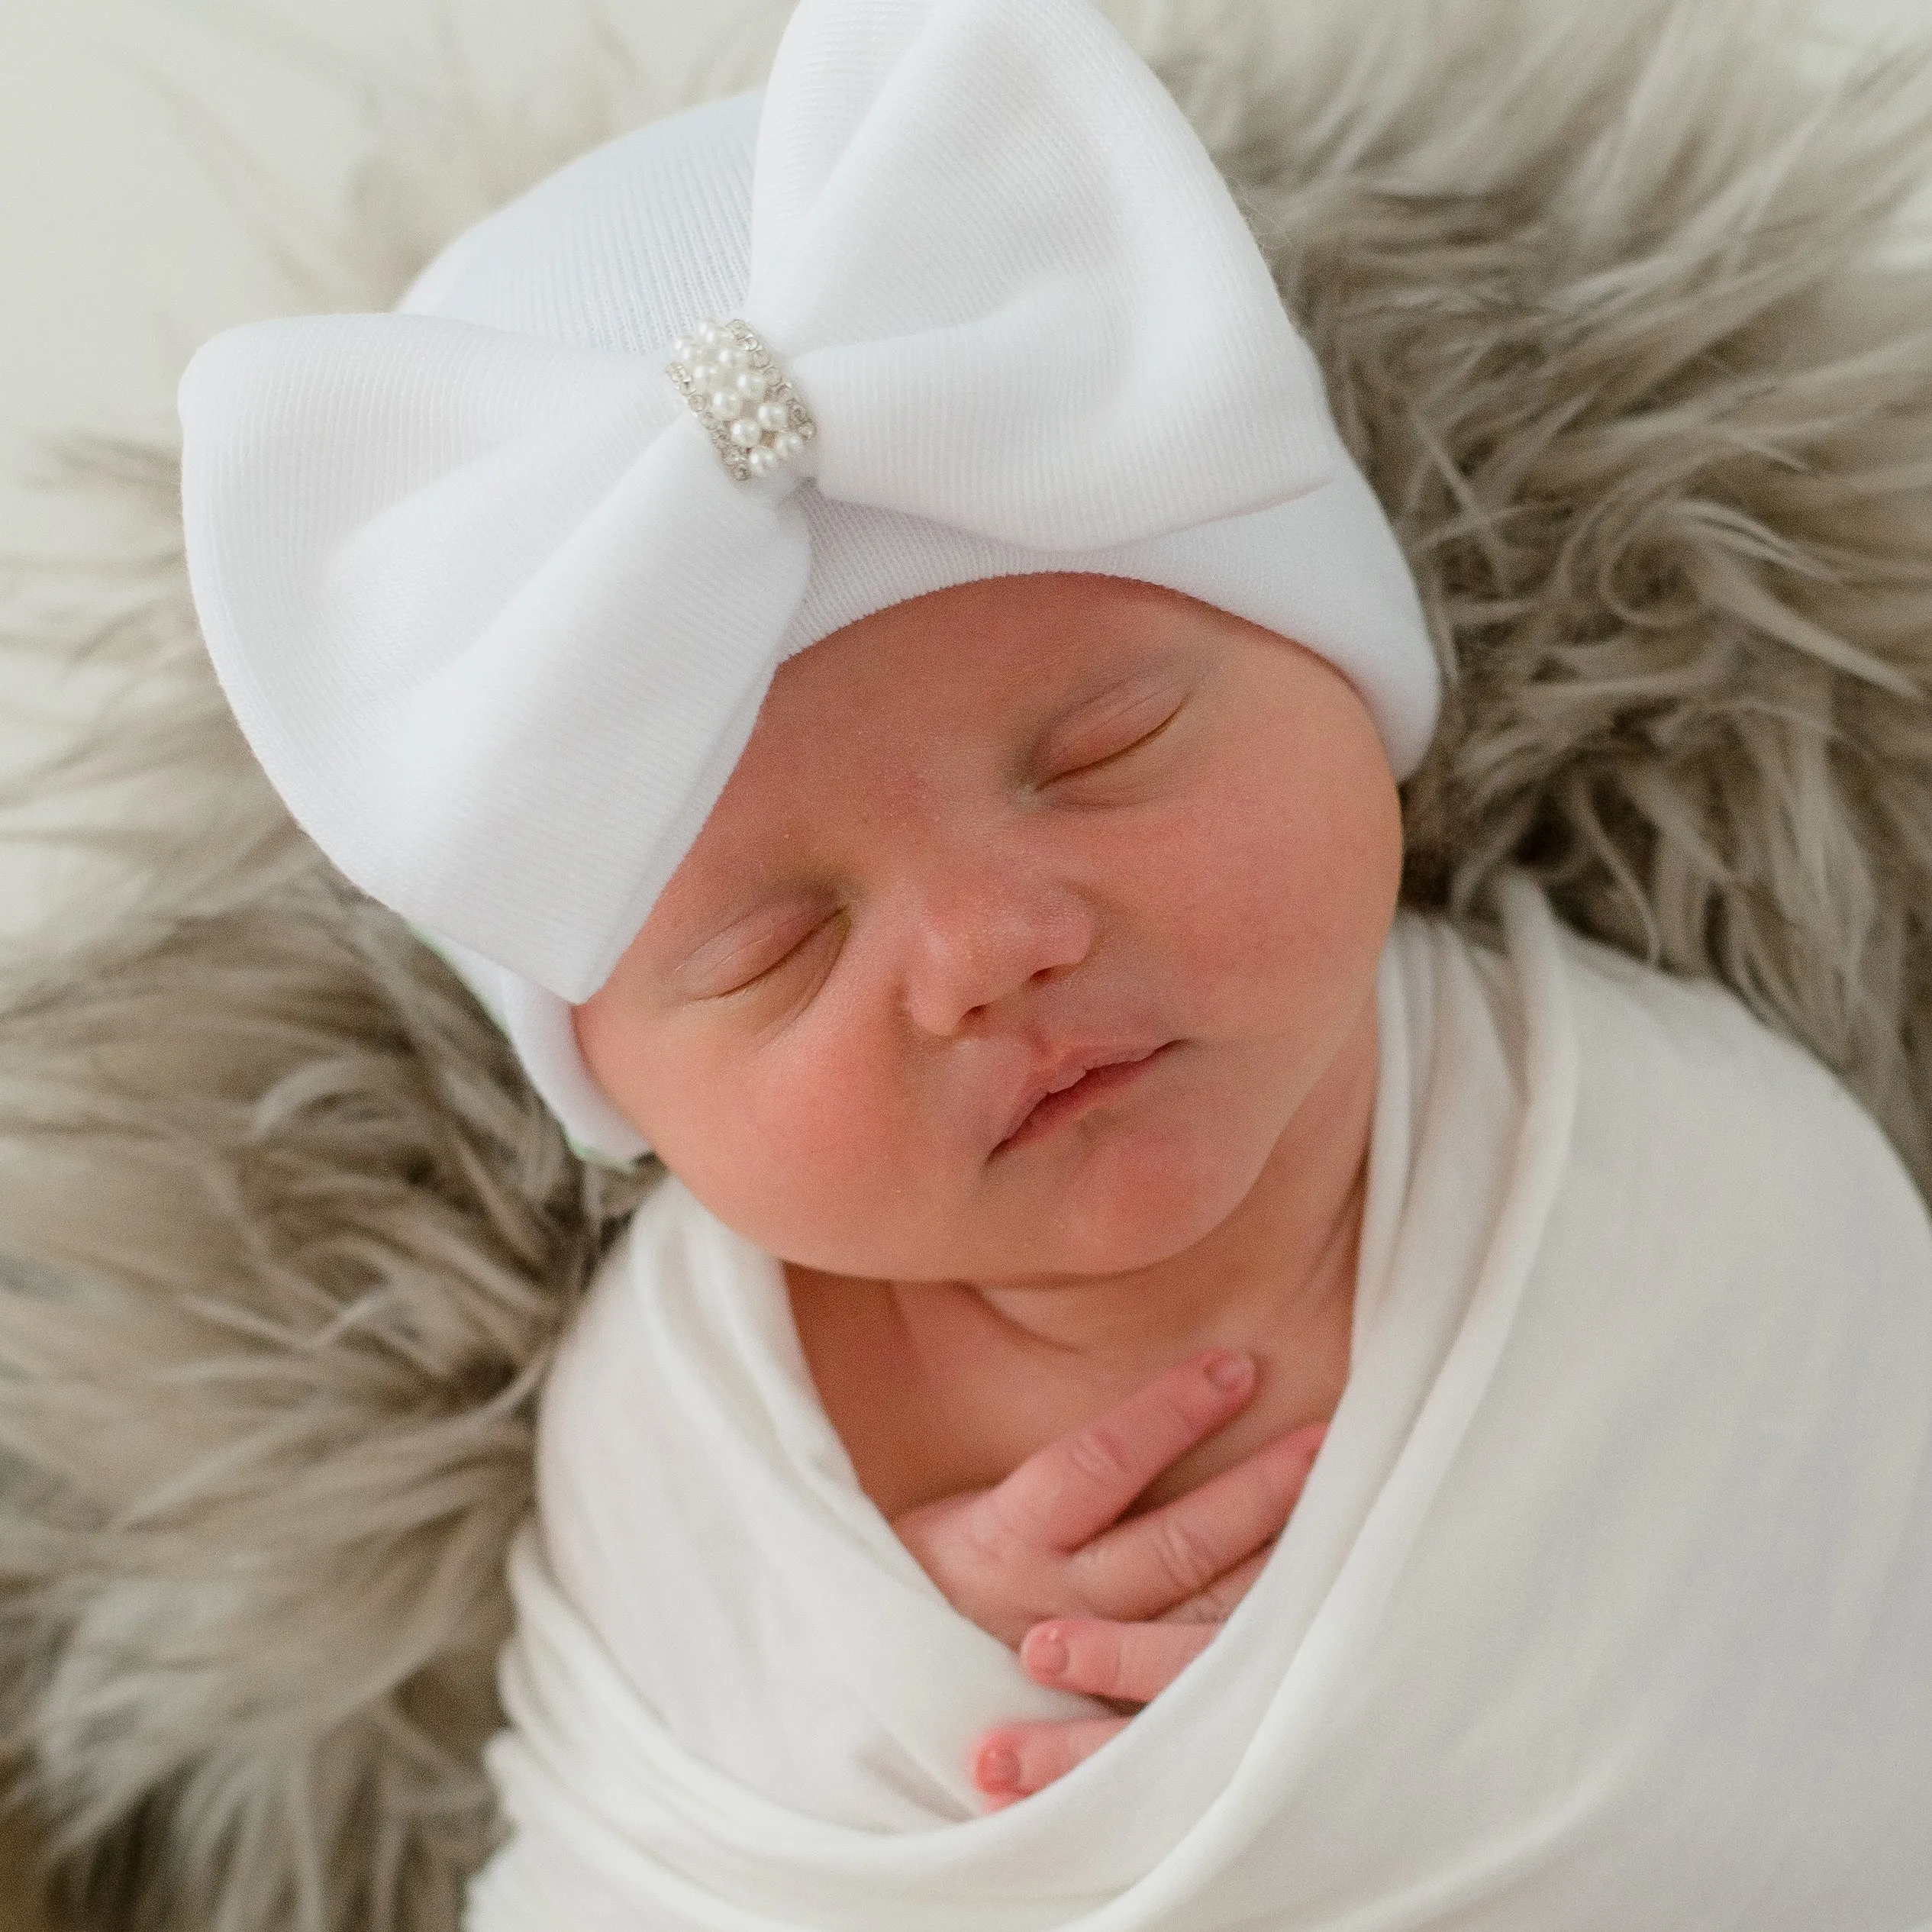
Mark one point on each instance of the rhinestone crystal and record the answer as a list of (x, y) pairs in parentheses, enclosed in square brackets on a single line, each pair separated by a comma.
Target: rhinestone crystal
[(755, 418)]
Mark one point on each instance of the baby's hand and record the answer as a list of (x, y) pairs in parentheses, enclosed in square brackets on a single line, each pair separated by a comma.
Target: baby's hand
[(1039, 1561), (1126, 1664)]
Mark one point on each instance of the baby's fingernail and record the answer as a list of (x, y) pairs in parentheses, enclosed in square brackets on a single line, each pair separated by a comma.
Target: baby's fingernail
[(1046, 1655), (997, 1769), (1228, 1371)]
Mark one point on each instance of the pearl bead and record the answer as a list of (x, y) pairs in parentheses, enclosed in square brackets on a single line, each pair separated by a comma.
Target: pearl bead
[(729, 377)]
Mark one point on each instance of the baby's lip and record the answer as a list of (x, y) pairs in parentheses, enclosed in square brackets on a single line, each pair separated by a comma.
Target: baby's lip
[(1067, 1068)]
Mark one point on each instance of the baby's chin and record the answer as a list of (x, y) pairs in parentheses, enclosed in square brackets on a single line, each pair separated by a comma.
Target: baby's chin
[(1105, 1198), (1122, 1202), (1133, 1203)]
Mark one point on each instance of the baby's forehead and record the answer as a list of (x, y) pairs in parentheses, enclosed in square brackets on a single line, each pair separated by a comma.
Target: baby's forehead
[(994, 641)]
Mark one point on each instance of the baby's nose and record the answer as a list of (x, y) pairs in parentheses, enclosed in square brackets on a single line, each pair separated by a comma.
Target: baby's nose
[(981, 938)]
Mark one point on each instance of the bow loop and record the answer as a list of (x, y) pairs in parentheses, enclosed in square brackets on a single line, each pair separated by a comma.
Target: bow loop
[(521, 574), (1012, 283)]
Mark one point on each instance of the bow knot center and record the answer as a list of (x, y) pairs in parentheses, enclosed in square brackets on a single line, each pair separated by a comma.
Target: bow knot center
[(755, 419)]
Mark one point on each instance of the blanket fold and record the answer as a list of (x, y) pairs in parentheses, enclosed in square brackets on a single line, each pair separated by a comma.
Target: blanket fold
[(1608, 1606)]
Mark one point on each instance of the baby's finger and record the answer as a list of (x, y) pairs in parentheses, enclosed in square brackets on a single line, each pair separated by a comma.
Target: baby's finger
[(1213, 1605), (1071, 1489), (1135, 1573), (1133, 1662), (1017, 1760)]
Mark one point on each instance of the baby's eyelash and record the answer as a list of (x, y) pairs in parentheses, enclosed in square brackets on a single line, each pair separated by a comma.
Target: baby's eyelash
[(1141, 737), (747, 951), (791, 956)]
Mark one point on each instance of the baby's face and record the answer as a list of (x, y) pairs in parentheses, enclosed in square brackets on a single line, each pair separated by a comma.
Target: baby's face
[(979, 844)]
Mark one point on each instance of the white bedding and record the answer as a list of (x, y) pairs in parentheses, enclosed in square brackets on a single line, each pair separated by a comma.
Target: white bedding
[(1608, 1604)]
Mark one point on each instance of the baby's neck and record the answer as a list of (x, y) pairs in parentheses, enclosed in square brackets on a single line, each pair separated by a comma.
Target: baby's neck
[(936, 1388)]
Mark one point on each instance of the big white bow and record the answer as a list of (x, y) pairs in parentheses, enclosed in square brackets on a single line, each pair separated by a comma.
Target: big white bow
[(495, 617)]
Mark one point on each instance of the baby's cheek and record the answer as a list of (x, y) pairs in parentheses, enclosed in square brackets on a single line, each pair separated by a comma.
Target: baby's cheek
[(808, 1158), (1290, 894), (1210, 887)]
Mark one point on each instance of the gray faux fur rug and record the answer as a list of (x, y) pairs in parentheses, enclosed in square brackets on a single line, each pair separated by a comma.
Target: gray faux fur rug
[(286, 1241)]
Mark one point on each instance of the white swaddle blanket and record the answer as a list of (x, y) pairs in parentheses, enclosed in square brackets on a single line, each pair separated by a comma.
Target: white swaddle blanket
[(1607, 1607)]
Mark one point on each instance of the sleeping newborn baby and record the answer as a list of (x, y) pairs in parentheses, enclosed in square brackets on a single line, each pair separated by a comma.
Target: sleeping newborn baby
[(1157, 1390), (1036, 931)]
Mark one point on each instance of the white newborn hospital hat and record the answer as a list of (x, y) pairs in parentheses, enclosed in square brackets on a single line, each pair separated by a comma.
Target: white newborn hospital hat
[(495, 592)]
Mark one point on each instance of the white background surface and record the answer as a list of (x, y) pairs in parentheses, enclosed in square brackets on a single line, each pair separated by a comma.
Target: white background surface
[(120, 252)]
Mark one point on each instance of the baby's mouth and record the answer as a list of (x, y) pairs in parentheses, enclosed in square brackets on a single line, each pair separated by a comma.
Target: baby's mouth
[(1049, 1102)]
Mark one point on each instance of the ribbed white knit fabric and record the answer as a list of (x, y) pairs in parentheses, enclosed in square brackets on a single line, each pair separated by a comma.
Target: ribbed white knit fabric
[(497, 620)]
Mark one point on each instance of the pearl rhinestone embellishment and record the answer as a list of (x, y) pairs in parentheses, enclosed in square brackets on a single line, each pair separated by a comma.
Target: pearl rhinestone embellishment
[(755, 418)]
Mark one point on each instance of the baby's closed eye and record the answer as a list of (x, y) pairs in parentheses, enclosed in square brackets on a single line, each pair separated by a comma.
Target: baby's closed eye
[(1106, 742), (760, 949), (1115, 722)]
